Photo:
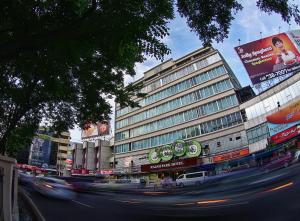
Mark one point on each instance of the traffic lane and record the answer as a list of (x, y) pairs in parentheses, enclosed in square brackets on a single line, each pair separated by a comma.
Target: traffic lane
[(88, 207), (110, 206)]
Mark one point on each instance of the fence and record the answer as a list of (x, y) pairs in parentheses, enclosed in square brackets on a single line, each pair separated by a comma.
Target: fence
[(8, 189)]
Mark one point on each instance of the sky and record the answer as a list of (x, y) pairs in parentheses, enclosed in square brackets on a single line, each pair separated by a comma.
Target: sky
[(250, 24)]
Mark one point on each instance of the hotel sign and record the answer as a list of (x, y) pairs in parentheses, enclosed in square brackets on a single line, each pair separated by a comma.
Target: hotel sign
[(187, 162)]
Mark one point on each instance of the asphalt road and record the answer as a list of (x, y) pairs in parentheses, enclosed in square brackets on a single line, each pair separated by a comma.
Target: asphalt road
[(272, 197)]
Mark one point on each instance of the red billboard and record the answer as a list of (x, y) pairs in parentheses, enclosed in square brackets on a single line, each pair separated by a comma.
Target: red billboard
[(285, 135), (271, 57), (231, 155)]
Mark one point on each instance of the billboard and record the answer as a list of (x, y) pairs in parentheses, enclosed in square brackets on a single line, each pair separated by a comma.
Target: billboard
[(271, 57), (95, 130), (231, 155), (286, 115), (285, 135)]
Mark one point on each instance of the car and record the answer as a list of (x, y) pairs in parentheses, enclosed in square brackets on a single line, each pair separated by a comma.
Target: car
[(191, 179), (54, 188), (283, 160)]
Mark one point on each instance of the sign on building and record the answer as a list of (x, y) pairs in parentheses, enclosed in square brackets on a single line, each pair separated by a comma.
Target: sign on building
[(271, 57), (95, 130)]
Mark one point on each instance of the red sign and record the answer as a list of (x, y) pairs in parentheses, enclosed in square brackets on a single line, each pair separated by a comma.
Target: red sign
[(285, 135), (105, 172), (270, 57), (170, 165), (231, 155)]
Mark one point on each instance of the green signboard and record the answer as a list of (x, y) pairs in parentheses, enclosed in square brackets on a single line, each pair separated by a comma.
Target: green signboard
[(154, 156), (193, 149), (166, 153), (179, 148)]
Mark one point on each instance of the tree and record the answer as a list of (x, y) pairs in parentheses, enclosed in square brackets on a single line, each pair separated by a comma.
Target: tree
[(60, 60), (211, 19)]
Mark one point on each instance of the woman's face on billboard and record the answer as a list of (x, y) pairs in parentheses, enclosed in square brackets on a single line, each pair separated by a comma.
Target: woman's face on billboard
[(279, 44)]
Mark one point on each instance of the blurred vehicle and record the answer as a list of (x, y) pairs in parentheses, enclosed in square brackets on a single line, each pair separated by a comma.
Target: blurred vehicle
[(190, 179), (53, 187), (50, 172), (25, 178), (283, 160), (297, 156), (167, 182)]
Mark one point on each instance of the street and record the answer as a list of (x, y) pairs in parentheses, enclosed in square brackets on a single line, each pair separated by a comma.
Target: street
[(275, 196)]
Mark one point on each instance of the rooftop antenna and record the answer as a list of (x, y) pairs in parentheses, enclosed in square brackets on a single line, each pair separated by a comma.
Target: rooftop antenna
[(260, 33), (239, 41), (279, 29)]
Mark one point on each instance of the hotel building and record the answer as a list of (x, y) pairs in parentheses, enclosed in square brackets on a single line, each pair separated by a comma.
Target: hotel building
[(192, 98)]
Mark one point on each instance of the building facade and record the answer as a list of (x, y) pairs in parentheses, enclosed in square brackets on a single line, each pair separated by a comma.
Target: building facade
[(191, 98), (92, 156), (272, 101)]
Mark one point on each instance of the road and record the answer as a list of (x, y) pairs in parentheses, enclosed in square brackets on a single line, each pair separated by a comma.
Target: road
[(272, 197)]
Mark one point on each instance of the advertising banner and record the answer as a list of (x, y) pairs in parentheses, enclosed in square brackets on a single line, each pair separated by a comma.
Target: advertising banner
[(271, 57), (231, 155), (286, 115), (285, 135), (187, 162), (276, 128), (94, 130)]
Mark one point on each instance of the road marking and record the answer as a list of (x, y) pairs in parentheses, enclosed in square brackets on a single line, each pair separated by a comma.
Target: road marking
[(266, 179), (82, 204)]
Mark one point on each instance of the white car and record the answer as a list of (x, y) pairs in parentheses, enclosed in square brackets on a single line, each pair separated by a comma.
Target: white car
[(191, 179), (53, 187)]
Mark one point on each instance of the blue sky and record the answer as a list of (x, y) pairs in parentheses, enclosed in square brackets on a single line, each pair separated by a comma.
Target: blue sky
[(247, 26)]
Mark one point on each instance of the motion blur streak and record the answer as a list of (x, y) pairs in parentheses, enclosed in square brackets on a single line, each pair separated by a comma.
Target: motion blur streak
[(184, 204), (131, 202), (280, 187), (212, 201), (155, 193)]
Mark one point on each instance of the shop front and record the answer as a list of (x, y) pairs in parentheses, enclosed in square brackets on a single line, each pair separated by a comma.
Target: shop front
[(172, 160), (231, 160)]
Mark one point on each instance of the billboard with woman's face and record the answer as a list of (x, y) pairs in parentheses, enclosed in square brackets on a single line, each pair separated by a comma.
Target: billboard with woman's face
[(94, 130), (271, 57)]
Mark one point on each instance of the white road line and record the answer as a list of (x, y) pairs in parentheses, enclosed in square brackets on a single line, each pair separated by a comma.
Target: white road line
[(266, 179), (82, 204)]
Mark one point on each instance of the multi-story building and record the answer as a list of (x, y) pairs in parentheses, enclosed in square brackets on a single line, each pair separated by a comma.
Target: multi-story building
[(283, 97), (92, 156), (63, 142), (191, 98)]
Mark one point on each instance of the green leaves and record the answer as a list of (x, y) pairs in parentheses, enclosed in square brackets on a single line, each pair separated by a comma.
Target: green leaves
[(59, 60), (211, 20)]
